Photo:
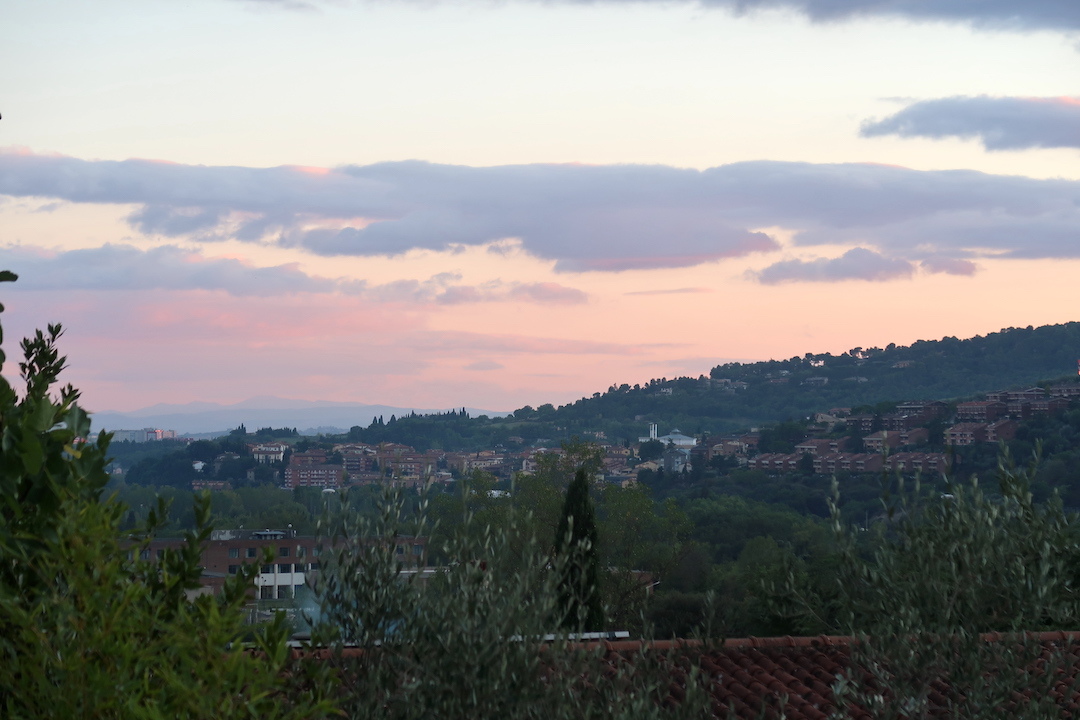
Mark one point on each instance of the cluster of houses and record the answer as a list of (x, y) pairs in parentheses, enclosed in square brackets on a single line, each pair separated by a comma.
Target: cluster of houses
[(889, 441), (992, 420), (996, 418), (403, 466), (836, 461)]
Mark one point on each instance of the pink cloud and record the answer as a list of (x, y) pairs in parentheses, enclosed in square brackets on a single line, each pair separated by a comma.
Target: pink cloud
[(483, 365), (674, 291), (453, 342), (113, 268), (643, 263), (856, 264), (949, 266), (547, 293)]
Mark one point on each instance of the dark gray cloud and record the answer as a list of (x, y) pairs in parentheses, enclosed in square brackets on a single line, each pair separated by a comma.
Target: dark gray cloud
[(174, 222), (584, 218), (167, 189), (995, 14), (1000, 123), (1002, 14), (124, 267), (602, 218), (856, 264)]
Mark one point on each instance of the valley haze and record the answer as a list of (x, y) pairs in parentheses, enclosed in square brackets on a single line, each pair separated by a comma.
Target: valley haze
[(198, 418)]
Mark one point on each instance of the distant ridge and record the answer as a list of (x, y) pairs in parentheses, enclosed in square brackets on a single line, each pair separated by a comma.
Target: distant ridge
[(736, 395), (264, 411), (733, 395)]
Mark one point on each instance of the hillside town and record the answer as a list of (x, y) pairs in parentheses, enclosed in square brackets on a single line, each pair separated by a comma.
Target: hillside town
[(837, 440)]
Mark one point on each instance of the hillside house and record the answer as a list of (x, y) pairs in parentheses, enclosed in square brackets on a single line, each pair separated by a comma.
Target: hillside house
[(967, 433), (982, 411)]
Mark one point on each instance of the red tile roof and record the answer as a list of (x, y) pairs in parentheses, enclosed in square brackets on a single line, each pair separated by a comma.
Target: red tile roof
[(750, 676), (793, 677)]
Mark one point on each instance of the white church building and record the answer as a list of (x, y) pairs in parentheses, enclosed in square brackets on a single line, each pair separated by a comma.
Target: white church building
[(675, 437)]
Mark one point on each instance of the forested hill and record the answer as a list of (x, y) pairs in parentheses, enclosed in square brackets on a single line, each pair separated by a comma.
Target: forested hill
[(741, 394)]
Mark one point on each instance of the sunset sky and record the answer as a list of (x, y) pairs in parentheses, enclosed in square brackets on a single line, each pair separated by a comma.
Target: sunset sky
[(435, 204)]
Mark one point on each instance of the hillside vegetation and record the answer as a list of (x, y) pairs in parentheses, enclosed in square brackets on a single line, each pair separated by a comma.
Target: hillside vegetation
[(740, 395)]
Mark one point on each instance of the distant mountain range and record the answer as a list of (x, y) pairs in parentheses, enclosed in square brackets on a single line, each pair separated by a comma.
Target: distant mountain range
[(309, 417)]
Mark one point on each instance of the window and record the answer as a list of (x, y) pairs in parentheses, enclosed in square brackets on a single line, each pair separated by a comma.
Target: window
[(316, 551), (233, 569), (234, 553), (160, 554), (300, 567), (283, 552), (400, 549), (418, 550), (283, 591), (144, 555), (314, 566), (301, 551), (266, 592), (251, 552), (284, 568), (266, 569)]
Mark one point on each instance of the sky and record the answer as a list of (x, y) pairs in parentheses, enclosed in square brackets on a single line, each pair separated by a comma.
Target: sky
[(434, 204)]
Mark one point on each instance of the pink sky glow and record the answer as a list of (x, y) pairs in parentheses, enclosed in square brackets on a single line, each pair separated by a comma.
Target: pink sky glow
[(437, 205)]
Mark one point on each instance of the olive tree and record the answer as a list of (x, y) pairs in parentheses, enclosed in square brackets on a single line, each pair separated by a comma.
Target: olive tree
[(481, 637), (943, 600)]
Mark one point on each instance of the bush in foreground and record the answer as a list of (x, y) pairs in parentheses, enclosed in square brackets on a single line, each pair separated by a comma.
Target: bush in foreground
[(88, 627)]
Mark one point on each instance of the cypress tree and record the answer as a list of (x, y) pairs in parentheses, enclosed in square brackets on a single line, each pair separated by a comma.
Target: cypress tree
[(575, 541)]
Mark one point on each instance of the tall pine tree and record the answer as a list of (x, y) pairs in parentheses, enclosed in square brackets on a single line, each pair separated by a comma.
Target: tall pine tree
[(575, 543)]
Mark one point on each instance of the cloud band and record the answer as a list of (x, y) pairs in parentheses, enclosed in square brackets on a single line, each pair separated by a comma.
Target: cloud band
[(1003, 123), (583, 218)]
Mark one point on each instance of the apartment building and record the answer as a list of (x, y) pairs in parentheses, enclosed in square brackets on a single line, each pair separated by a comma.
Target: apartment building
[(287, 561)]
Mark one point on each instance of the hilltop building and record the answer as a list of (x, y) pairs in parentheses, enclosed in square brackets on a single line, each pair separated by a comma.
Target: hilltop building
[(675, 437), (143, 435)]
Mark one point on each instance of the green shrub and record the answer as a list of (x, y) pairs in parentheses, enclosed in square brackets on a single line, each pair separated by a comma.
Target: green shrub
[(87, 627)]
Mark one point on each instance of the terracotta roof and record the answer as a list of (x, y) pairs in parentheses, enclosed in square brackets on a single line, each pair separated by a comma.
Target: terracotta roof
[(793, 677), (750, 676)]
